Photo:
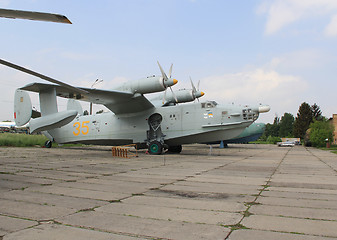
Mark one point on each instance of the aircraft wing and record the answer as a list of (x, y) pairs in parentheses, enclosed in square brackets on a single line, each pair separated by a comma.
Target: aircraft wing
[(117, 101), (40, 16)]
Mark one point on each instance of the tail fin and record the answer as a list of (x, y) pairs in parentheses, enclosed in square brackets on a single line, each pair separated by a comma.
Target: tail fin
[(50, 118), (22, 107)]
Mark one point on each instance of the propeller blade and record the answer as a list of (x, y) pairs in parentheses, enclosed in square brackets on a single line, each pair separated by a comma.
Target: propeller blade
[(162, 72), (164, 96), (193, 87), (170, 71), (175, 97), (198, 85)]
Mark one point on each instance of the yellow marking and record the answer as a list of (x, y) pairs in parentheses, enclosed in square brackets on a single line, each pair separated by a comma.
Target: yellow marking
[(21, 99), (78, 126), (77, 129), (86, 127)]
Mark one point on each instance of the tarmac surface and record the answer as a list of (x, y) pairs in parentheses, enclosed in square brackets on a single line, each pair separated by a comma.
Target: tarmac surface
[(241, 192)]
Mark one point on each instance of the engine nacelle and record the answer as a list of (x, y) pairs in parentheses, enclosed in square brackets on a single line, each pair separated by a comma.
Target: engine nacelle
[(182, 96), (147, 85)]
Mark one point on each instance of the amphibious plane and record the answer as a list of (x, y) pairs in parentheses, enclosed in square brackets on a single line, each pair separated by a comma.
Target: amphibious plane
[(133, 118), (251, 133)]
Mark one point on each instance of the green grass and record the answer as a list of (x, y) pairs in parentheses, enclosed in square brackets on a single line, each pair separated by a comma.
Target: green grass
[(332, 147), (21, 140), (26, 140)]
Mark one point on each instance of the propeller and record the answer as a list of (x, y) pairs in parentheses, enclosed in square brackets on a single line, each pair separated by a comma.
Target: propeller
[(195, 91), (166, 79)]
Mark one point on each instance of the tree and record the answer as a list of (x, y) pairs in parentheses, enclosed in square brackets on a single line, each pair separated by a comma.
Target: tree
[(320, 131), (303, 120), (275, 127), (286, 125), (271, 130), (316, 112)]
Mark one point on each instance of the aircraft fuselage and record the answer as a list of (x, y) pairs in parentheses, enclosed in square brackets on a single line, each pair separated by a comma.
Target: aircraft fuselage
[(181, 124)]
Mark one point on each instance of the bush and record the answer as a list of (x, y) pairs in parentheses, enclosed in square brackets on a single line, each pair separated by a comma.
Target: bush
[(273, 140), (319, 132)]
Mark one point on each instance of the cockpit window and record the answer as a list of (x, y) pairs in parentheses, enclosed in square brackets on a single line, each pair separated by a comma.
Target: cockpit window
[(209, 104)]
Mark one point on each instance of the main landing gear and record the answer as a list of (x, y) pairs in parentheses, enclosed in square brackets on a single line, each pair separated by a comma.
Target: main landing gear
[(155, 137), (155, 148), (48, 144), (175, 149)]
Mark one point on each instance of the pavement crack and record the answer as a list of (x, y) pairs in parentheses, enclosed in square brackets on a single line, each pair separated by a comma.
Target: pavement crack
[(246, 213)]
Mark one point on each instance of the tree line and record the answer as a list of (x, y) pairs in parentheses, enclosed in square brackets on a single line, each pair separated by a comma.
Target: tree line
[(309, 125)]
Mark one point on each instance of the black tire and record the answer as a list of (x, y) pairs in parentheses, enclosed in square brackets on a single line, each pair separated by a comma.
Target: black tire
[(155, 148), (48, 144), (175, 149)]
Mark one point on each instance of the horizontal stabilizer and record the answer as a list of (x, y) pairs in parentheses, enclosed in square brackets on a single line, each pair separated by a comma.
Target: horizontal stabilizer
[(52, 121)]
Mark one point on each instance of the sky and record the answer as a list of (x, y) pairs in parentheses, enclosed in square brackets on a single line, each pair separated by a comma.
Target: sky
[(276, 52)]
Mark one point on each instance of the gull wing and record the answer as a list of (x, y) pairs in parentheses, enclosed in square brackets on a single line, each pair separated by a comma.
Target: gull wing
[(116, 101), (40, 16)]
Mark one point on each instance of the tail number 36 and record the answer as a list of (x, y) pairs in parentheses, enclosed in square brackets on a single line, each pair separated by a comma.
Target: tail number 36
[(78, 126)]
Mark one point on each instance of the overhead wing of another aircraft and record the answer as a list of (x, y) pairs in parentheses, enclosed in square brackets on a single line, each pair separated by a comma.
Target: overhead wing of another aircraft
[(39, 16)]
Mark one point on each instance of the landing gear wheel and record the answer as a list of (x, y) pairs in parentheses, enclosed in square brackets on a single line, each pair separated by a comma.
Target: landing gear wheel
[(48, 144), (155, 148), (175, 149)]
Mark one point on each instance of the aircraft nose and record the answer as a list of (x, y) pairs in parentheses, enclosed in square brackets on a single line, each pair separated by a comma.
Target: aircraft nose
[(263, 109)]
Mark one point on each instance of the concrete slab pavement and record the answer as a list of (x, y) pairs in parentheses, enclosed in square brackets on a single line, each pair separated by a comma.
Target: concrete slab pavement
[(242, 192)]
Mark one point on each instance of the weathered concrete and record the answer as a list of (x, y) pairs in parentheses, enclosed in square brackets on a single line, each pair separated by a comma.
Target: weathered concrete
[(296, 212), (172, 214), (242, 192), (57, 232), (257, 234), (10, 224), (201, 204), (292, 225), (145, 226)]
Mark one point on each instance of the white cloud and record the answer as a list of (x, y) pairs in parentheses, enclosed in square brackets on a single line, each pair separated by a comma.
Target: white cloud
[(331, 28), (281, 13), (260, 85)]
